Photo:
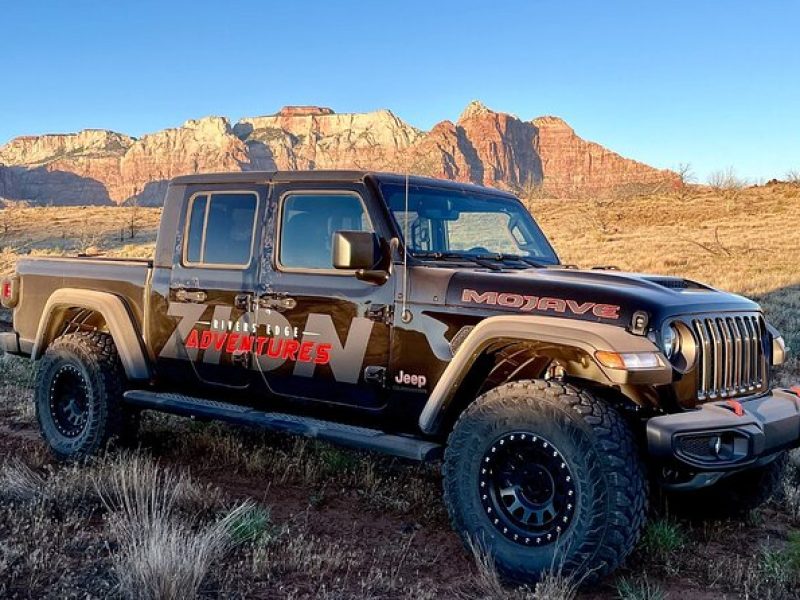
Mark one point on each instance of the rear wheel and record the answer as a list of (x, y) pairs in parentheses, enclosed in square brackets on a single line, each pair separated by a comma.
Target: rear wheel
[(78, 396), (544, 476)]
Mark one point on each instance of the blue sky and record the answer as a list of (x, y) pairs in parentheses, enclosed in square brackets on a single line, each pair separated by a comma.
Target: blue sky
[(712, 83)]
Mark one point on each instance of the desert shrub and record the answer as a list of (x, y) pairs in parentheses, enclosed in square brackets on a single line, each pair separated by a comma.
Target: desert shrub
[(251, 523), (662, 540), (639, 589)]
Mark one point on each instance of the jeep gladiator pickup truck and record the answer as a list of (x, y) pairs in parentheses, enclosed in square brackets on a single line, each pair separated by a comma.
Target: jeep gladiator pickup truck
[(428, 320)]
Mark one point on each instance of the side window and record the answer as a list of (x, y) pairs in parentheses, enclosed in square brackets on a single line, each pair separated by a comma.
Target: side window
[(308, 222), (220, 229)]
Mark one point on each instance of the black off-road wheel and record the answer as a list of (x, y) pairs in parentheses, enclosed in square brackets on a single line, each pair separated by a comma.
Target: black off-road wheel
[(543, 477), (78, 396), (734, 496)]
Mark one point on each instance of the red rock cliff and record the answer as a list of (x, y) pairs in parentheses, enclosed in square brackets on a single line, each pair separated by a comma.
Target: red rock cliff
[(483, 146)]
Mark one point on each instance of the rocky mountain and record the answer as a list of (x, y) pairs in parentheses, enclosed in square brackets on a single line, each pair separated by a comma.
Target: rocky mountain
[(483, 146)]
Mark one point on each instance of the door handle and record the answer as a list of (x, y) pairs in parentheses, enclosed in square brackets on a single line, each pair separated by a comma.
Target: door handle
[(195, 296), (277, 302)]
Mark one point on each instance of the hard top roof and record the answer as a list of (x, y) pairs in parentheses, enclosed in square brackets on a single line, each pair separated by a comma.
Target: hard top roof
[(325, 176)]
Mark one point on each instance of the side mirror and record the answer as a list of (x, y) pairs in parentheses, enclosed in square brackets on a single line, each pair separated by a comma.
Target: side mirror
[(355, 250), (360, 251)]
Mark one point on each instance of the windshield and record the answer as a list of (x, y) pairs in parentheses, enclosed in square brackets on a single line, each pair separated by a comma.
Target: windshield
[(465, 222)]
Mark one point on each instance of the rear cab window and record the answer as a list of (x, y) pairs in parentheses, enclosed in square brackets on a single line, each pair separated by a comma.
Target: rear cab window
[(220, 229)]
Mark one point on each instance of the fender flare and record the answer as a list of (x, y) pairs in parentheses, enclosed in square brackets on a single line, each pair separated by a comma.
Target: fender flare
[(585, 336), (117, 316)]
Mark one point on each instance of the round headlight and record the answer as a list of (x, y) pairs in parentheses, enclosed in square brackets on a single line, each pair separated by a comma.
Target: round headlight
[(671, 341)]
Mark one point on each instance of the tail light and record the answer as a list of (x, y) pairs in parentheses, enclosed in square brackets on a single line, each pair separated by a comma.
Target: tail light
[(9, 291)]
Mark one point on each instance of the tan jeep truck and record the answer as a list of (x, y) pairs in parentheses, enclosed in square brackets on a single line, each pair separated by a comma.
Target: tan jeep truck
[(425, 319)]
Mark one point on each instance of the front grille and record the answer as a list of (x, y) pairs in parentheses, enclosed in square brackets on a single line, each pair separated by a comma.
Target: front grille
[(730, 355)]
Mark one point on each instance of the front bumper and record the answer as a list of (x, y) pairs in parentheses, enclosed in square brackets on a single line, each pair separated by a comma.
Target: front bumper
[(726, 435)]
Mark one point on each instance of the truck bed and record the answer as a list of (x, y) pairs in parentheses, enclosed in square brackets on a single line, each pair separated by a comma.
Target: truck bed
[(41, 276)]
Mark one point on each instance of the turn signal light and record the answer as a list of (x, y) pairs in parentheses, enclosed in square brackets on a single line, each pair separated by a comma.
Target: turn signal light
[(628, 360), (8, 291), (779, 351)]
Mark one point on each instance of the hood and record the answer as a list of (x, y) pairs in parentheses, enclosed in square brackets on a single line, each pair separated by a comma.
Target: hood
[(596, 295)]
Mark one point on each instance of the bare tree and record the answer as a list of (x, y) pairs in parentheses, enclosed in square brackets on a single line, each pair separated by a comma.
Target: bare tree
[(686, 173), (686, 179), (727, 184), (724, 180), (793, 176), (133, 219)]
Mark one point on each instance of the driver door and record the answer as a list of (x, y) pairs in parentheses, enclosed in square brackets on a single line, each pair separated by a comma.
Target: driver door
[(328, 333)]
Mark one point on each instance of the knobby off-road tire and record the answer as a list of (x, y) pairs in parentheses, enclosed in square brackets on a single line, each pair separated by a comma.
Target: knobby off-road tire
[(734, 496), (78, 396), (586, 463)]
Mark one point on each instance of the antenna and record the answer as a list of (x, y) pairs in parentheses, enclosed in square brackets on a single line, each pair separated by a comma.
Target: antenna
[(405, 315)]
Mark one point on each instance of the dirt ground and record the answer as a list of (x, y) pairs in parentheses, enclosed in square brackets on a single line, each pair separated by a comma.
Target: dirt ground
[(345, 525), (328, 523)]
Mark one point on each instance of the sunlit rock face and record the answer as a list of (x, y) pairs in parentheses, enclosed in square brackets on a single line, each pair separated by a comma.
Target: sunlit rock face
[(483, 146)]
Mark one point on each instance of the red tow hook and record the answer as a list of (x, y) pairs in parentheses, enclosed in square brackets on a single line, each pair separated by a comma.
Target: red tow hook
[(736, 407)]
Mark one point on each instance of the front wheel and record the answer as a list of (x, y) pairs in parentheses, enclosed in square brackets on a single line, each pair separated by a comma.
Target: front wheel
[(544, 476), (78, 396)]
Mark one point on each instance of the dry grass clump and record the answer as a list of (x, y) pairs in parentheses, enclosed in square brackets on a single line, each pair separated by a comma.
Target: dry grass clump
[(20, 483), (63, 491), (134, 484), (161, 557), (162, 554), (486, 583)]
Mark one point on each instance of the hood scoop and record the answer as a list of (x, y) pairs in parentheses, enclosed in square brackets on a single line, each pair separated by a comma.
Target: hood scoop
[(677, 283)]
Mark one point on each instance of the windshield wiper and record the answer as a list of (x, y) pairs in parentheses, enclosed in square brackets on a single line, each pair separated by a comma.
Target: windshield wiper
[(502, 257), (478, 259)]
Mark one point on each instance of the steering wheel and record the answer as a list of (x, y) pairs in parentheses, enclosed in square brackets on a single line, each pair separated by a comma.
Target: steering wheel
[(479, 250)]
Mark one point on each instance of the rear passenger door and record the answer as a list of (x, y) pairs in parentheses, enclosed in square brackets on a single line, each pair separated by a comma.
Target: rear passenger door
[(212, 284), (328, 333)]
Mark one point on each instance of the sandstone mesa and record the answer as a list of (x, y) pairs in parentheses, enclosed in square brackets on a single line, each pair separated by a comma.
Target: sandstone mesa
[(483, 146)]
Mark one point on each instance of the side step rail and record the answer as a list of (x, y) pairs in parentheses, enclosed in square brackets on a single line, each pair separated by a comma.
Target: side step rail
[(352, 436)]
